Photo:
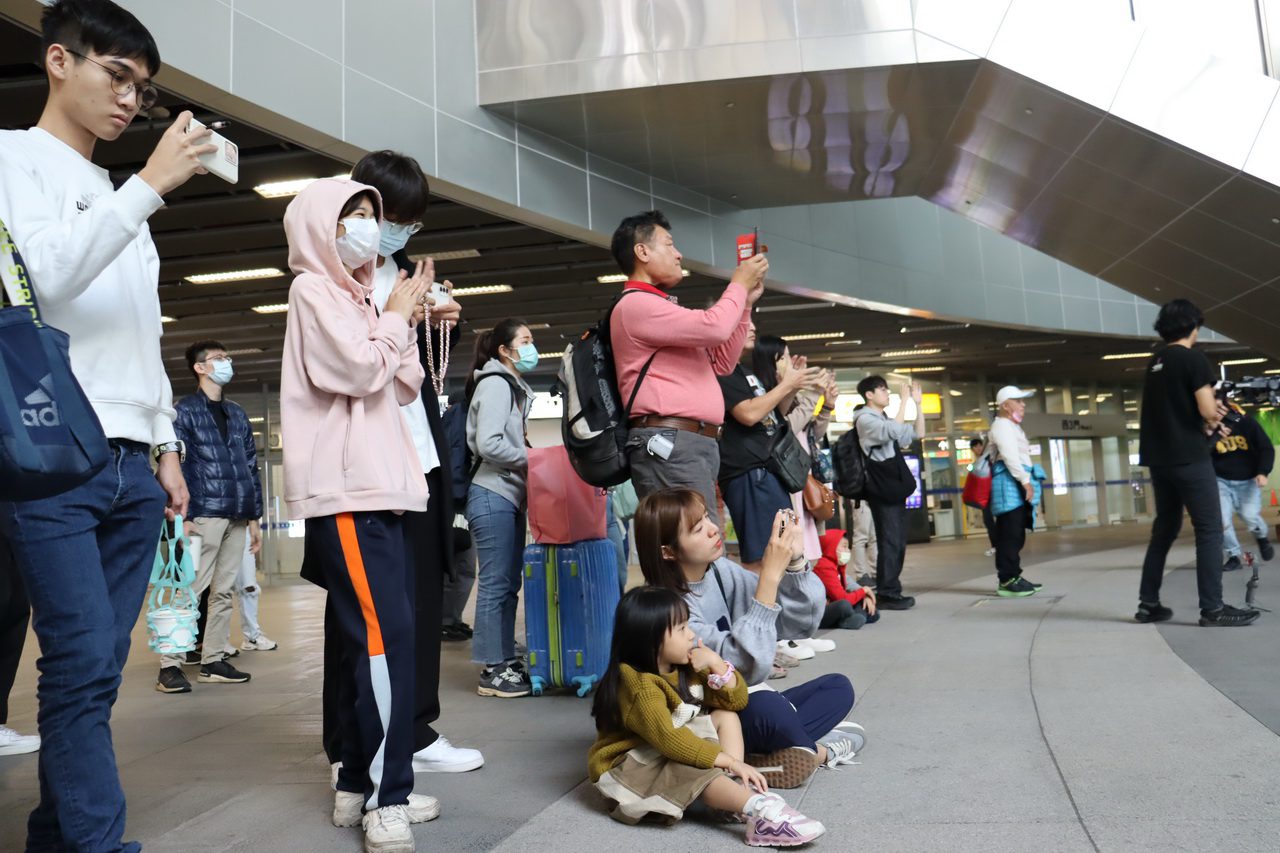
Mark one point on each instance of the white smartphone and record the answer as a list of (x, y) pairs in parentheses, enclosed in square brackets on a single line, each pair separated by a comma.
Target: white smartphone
[(441, 294), (225, 162)]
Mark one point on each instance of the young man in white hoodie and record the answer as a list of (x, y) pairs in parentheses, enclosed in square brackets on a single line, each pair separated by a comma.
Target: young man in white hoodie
[(86, 555)]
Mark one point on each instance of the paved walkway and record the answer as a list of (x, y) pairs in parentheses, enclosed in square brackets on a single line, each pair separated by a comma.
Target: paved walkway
[(1048, 723)]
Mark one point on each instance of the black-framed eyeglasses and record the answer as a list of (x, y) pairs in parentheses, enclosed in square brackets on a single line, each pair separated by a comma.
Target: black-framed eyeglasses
[(122, 83)]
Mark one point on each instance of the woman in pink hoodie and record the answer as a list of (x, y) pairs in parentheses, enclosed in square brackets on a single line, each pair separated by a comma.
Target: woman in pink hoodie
[(351, 471)]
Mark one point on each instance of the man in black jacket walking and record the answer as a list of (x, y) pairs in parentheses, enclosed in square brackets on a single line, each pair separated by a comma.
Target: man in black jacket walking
[(1242, 461), (221, 469)]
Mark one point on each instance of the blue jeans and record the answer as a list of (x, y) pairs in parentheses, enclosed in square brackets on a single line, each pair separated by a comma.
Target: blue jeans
[(497, 529), (86, 558), (614, 534), (1243, 497)]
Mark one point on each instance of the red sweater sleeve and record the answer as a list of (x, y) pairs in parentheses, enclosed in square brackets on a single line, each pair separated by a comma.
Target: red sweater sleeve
[(830, 577)]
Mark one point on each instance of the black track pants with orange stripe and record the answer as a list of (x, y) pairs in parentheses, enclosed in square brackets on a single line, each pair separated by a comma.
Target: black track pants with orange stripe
[(367, 562)]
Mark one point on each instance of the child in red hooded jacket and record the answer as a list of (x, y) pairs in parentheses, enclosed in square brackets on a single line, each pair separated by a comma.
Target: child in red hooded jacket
[(845, 608)]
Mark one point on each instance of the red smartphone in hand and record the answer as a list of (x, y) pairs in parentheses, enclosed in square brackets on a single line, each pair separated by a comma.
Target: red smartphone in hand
[(749, 245)]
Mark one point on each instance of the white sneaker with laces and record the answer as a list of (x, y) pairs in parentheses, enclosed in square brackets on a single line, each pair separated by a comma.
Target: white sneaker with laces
[(12, 743), (819, 644), (990, 552), (796, 650), (853, 732), (840, 750), (386, 830), (443, 757), (262, 643), (348, 808)]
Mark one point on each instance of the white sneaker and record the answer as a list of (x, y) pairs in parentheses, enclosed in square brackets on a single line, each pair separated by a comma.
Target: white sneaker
[(262, 643), (12, 743), (386, 830), (990, 552), (348, 808), (444, 757), (333, 774), (796, 650), (819, 644), (854, 732)]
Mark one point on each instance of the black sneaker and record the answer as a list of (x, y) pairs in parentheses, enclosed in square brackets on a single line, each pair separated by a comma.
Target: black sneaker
[(894, 602), (221, 672), (466, 629), (452, 634), (171, 680), (1228, 617), (1017, 587), (1153, 612), (192, 659), (1267, 550), (504, 681), (1232, 565), (1033, 583)]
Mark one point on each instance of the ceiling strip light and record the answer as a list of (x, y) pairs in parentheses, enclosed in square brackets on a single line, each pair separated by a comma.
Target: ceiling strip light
[(482, 290), (933, 369), (1117, 356), (284, 189), (856, 342), (1022, 363), (612, 278), (911, 353), (167, 319), (235, 275), (278, 308), (1242, 361), (1028, 344), (813, 336), (913, 330), (456, 255)]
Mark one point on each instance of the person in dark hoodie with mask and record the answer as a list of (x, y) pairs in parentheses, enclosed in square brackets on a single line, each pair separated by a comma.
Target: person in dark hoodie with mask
[(1243, 461)]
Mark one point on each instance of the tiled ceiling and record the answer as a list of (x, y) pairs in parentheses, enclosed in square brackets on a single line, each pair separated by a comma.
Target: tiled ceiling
[(1064, 177), (209, 226)]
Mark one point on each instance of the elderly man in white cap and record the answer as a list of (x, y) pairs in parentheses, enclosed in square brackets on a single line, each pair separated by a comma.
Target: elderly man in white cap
[(1014, 490)]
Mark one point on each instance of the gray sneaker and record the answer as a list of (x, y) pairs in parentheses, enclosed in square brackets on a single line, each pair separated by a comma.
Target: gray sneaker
[(505, 681), (171, 680), (221, 672)]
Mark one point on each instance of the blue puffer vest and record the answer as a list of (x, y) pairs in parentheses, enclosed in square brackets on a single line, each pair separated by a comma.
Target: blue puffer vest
[(222, 477)]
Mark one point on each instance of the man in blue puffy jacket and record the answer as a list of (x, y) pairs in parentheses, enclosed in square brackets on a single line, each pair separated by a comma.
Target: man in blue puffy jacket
[(221, 469)]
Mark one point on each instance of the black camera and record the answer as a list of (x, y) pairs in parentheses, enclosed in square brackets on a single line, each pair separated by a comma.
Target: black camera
[(1251, 390)]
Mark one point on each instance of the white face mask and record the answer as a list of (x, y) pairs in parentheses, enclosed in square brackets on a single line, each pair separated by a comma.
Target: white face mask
[(359, 244), (844, 556)]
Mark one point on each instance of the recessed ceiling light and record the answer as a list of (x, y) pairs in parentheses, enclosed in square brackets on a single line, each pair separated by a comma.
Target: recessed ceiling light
[(1242, 361), (1082, 396), (277, 308), (456, 255), (235, 275), (284, 189), (955, 393), (612, 278), (911, 353), (482, 289), (813, 336), (257, 419), (1117, 356), (167, 319), (1083, 412)]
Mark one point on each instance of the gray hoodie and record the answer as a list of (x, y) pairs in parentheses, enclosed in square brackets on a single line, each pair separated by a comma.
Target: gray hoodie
[(496, 434), (742, 630)]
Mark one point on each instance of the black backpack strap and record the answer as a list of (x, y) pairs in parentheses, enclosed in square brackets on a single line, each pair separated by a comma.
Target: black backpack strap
[(715, 572)]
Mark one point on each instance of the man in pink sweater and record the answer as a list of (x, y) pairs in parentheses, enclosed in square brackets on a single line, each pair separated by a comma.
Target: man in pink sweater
[(677, 413)]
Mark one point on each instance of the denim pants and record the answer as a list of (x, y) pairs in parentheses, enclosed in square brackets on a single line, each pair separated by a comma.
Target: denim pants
[(86, 558), (1193, 486), (1243, 497), (248, 591), (614, 534), (497, 529), (795, 717)]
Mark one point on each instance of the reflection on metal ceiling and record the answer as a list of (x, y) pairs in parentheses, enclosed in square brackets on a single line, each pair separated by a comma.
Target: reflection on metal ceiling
[(1149, 168)]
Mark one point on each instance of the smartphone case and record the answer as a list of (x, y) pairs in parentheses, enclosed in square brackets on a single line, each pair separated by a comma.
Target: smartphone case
[(570, 595)]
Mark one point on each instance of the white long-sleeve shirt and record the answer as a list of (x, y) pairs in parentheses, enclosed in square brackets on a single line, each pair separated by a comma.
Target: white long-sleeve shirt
[(95, 270), (1012, 447)]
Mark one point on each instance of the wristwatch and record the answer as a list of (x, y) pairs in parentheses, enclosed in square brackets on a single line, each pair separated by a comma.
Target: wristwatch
[(177, 447)]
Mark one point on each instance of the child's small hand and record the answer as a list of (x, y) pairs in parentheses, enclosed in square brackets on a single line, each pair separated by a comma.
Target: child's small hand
[(701, 657), (750, 776)]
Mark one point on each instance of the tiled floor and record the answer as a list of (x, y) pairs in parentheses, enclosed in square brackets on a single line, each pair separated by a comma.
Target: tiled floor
[(1049, 723)]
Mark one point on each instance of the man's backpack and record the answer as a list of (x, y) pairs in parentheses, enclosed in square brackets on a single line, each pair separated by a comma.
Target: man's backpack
[(850, 465), (594, 423)]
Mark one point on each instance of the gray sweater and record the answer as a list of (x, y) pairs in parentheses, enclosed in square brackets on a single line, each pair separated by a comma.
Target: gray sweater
[(496, 435), (878, 433), (742, 630)]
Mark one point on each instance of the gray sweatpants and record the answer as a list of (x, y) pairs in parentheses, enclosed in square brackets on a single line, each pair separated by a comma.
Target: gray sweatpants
[(694, 464)]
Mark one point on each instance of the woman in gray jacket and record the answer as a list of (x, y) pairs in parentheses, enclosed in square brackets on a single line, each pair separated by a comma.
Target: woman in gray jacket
[(498, 403), (740, 615)]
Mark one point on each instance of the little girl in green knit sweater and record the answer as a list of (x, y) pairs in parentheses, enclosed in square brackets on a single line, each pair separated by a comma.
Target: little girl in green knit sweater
[(668, 730)]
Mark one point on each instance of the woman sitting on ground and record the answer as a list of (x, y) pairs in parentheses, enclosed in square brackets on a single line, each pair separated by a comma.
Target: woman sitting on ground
[(740, 615)]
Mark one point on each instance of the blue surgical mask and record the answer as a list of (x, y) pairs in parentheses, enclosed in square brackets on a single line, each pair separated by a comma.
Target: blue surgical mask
[(395, 237), (222, 372), (528, 358)]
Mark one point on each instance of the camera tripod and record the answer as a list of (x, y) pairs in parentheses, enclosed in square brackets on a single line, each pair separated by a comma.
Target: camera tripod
[(1251, 586)]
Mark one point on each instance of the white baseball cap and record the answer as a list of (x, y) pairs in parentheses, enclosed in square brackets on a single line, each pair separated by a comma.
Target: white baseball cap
[(1012, 392)]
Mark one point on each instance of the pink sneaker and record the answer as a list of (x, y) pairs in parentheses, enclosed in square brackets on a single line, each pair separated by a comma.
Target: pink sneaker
[(776, 824)]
